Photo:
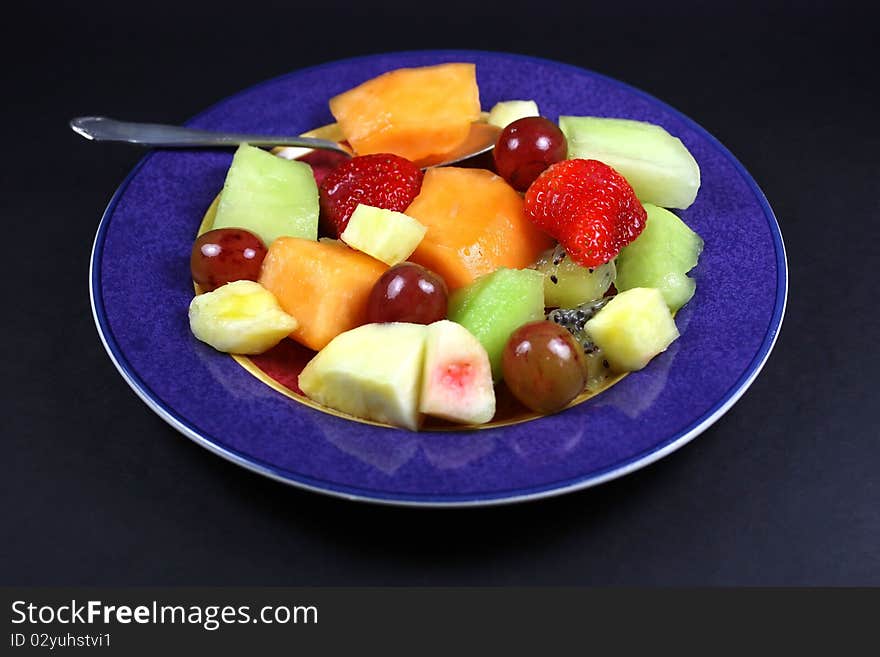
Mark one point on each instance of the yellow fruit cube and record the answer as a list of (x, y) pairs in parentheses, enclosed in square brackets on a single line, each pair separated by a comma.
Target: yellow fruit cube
[(632, 328), (241, 317), (383, 234)]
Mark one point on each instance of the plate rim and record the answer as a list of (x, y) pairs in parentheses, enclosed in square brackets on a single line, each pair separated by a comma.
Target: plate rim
[(495, 498)]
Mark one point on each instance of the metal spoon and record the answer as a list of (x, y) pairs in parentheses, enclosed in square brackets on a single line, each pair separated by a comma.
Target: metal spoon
[(481, 139)]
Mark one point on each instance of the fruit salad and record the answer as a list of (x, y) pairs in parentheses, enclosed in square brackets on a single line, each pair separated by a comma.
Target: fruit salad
[(415, 295)]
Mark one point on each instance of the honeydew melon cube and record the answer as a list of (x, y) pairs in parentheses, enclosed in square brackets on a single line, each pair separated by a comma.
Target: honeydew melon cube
[(495, 305), (660, 257), (632, 328), (383, 234), (659, 166), (269, 196)]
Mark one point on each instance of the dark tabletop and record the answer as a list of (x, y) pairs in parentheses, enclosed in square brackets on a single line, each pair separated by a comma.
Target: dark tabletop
[(96, 489)]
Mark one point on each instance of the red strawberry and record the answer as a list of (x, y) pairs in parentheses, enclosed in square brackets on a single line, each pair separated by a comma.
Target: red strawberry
[(381, 180), (588, 207)]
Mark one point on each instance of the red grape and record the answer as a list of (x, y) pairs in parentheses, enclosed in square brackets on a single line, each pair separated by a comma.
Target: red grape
[(525, 148), (224, 255), (323, 162), (408, 293), (544, 366)]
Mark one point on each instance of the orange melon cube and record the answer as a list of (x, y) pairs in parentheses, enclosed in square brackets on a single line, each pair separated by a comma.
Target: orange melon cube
[(476, 224), (411, 112), (324, 284)]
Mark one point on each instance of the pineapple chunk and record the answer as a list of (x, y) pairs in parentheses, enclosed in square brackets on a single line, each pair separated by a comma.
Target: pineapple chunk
[(383, 234), (508, 111), (632, 328), (241, 317)]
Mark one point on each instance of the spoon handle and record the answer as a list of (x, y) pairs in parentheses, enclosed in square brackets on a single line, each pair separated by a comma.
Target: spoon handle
[(101, 128)]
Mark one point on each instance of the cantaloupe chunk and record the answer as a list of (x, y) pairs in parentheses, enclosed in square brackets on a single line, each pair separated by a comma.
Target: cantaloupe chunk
[(411, 112), (476, 224), (324, 284)]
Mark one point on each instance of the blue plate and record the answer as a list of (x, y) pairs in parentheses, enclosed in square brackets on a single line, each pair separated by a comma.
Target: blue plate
[(141, 289)]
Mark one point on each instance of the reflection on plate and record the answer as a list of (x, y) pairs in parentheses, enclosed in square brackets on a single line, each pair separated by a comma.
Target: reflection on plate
[(140, 293)]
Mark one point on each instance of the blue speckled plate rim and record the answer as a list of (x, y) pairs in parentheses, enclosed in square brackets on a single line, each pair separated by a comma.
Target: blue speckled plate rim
[(496, 497)]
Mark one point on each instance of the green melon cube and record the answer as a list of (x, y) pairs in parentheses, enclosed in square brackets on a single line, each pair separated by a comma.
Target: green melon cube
[(269, 196), (632, 328), (495, 305), (659, 166), (660, 257)]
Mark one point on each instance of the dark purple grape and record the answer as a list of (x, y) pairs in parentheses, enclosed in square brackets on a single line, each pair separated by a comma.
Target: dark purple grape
[(544, 366), (408, 293), (525, 148)]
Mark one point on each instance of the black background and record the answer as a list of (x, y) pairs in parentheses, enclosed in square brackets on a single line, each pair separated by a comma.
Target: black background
[(96, 489)]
